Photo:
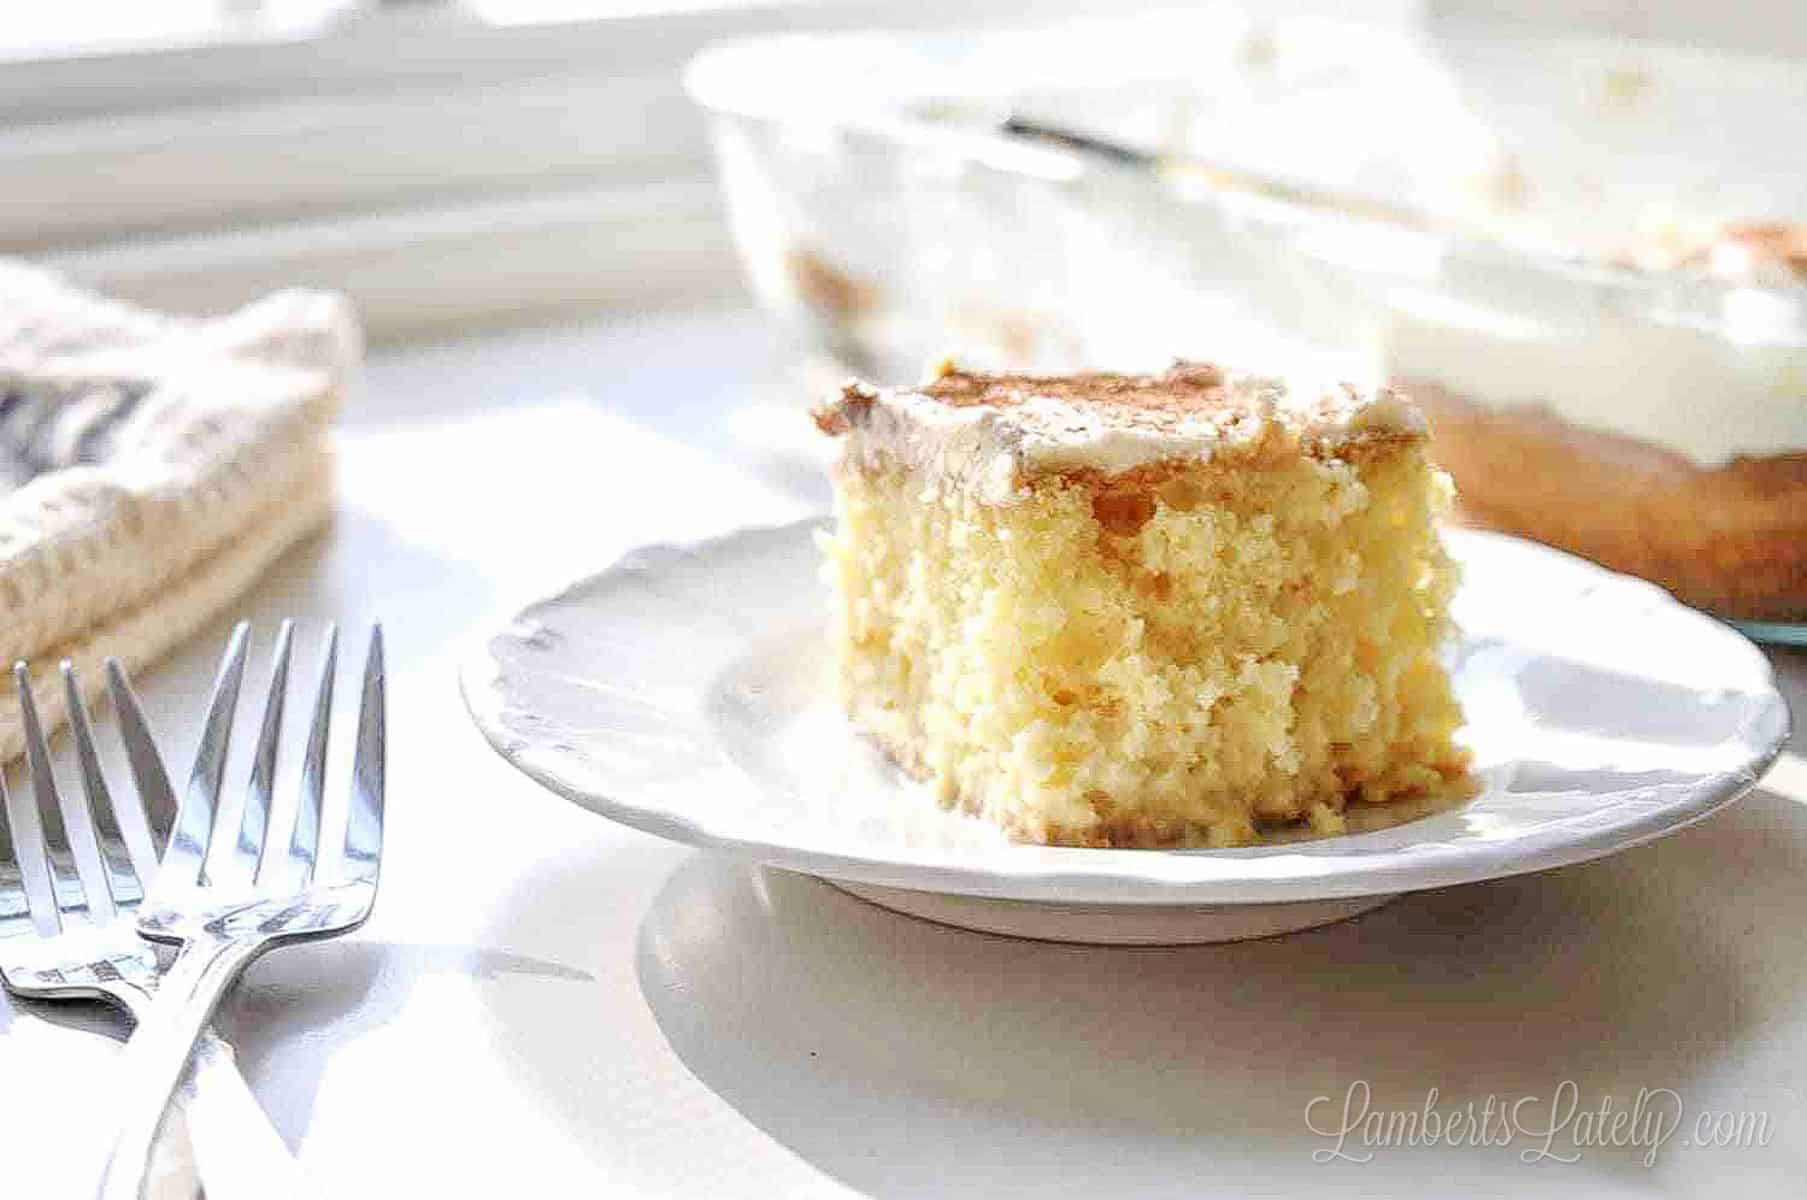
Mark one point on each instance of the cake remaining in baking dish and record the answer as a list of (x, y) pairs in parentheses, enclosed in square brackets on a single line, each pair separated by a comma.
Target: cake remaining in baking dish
[(1143, 610), (1660, 447)]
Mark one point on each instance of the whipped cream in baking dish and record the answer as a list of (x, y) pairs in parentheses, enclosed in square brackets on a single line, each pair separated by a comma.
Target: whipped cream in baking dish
[(989, 433), (1706, 396)]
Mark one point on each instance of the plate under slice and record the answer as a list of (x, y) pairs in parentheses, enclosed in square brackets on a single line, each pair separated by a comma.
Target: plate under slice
[(1114, 924), (681, 692)]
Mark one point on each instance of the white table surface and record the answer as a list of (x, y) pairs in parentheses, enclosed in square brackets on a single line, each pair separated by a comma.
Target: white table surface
[(546, 1001)]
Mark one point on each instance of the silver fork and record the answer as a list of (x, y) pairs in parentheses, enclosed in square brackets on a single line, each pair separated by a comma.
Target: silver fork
[(66, 937), (225, 910)]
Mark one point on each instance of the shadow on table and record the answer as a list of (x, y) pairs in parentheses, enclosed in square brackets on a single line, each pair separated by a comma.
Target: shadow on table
[(303, 1004), (883, 1049)]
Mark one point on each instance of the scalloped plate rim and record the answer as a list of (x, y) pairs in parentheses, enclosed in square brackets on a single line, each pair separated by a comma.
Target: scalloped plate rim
[(1106, 876)]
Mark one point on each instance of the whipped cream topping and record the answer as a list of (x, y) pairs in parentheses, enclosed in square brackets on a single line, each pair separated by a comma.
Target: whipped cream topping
[(1705, 397), (990, 434)]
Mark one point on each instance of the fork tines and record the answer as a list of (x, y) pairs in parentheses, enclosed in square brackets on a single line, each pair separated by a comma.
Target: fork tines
[(114, 843), (258, 854), (109, 842)]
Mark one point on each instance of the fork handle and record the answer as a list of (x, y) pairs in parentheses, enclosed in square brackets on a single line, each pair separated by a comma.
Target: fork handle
[(156, 1056), (237, 1151)]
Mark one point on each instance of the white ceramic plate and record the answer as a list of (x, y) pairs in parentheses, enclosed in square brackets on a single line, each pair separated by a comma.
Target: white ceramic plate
[(681, 691)]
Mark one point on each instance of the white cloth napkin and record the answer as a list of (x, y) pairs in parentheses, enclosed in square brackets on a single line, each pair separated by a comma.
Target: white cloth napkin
[(151, 466)]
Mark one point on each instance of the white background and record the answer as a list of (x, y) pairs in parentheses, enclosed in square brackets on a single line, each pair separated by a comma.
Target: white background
[(544, 1001)]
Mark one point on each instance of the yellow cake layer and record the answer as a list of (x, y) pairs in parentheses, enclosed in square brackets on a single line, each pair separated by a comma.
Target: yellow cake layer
[(1177, 656)]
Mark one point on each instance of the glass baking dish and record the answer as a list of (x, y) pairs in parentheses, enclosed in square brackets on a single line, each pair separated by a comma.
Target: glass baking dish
[(1587, 258)]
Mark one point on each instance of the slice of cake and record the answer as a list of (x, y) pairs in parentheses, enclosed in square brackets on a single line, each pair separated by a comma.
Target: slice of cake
[(1117, 610)]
